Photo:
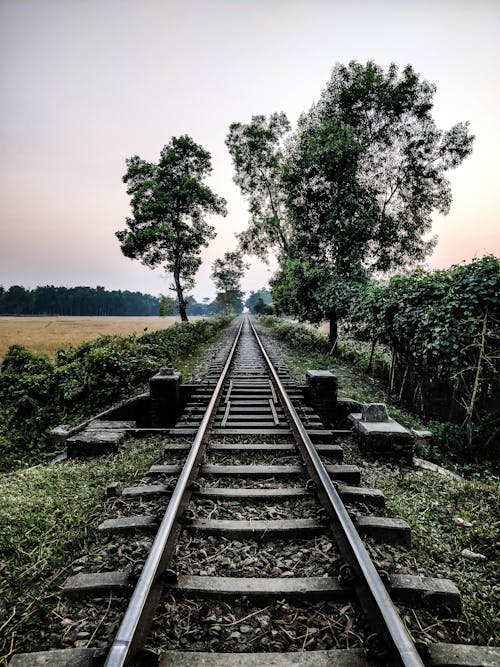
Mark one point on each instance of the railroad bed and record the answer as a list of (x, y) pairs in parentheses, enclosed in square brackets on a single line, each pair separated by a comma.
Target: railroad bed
[(250, 544)]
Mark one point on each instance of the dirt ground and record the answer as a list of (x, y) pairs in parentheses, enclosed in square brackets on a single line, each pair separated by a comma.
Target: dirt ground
[(45, 335)]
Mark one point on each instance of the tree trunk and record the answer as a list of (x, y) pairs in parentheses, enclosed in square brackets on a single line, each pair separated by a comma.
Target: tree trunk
[(392, 371), (180, 298), (369, 368), (477, 376), (401, 389), (334, 334)]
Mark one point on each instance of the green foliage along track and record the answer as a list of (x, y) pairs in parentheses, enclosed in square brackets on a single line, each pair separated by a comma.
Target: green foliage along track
[(443, 331), (37, 394)]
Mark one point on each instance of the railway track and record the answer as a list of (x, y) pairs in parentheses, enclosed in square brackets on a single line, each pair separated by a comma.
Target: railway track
[(242, 468)]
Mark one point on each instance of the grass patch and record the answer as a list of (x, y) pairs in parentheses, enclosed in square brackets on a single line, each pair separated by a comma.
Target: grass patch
[(450, 444), (428, 502), (353, 383), (49, 517)]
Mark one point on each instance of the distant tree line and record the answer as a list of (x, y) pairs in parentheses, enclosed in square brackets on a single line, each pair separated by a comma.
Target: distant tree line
[(169, 306), (76, 301), (90, 301)]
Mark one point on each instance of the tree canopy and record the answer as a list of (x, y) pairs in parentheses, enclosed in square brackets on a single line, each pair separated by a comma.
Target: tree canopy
[(258, 154), (258, 302), (357, 182), (169, 203), (366, 168)]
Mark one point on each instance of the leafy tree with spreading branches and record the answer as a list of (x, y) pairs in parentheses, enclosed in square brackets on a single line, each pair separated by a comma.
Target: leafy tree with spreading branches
[(357, 183), (258, 153), (169, 203)]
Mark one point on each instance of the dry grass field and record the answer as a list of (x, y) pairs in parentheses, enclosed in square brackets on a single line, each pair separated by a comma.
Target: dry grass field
[(45, 335), (324, 328)]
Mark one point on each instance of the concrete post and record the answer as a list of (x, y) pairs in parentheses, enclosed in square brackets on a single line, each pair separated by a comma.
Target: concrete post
[(165, 401), (322, 393)]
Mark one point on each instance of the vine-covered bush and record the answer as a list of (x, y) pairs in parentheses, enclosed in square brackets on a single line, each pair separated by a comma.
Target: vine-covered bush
[(443, 328), (37, 394), (434, 338)]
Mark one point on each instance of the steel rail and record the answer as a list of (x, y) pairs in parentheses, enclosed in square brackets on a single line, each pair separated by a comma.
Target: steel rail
[(368, 583), (146, 593)]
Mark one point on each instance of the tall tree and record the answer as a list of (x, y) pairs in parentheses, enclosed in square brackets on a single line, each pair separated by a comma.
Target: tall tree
[(361, 176), (367, 165), (257, 152), (226, 274), (169, 203)]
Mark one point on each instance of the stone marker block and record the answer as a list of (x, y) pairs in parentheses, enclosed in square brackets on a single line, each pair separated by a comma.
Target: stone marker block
[(113, 490), (423, 439), (165, 398), (104, 424), (94, 442), (321, 392), (59, 434), (382, 438), (423, 435), (73, 657), (374, 412)]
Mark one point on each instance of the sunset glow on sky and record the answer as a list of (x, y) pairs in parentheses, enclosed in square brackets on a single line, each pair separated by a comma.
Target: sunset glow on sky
[(84, 85)]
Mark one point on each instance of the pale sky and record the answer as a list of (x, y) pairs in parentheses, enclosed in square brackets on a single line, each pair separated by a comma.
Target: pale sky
[(84, 84)]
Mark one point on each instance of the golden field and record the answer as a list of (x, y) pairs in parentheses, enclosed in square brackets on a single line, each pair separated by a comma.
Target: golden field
[(324, 328), (45, 335)]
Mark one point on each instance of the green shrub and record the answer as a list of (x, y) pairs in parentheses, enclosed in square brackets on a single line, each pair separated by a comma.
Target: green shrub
[(37, 394), (296, 335), (443, 330), (451, 442)]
